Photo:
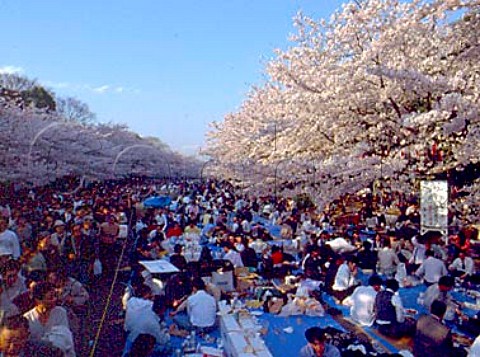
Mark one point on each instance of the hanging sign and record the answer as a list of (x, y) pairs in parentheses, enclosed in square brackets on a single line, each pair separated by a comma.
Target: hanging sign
[(434, 206)]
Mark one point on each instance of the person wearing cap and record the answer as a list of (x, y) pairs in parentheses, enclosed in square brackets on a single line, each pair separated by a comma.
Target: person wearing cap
[(58, 238), (317, 345), (8, 239), (362, 301)]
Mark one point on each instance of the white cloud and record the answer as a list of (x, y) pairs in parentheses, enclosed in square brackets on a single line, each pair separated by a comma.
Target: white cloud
[(59, 85), (97, 89), (101, 89), (11, 70)]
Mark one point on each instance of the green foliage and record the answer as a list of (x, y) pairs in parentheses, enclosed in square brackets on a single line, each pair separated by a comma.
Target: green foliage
[(39, 97), (303, 201)]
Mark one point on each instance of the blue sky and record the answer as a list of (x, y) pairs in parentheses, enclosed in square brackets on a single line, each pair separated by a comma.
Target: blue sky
[(165, 68)]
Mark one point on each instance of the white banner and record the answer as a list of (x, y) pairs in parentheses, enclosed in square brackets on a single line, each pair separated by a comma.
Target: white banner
[(434, 206)]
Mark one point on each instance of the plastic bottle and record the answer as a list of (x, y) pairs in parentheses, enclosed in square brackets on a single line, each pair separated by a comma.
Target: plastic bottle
[(193, 340)]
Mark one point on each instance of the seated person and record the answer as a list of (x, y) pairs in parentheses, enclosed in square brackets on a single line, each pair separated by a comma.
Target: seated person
[(463, 267), (143, 346), (367, 259), (201, 310), (140, 317), (345, 282), (432, 337), (432, 269), (390, 314), (441, 291), (387, 260), (232, 255), (362, 301), (249, 256), (177, 257), (177, 289), (312, 264), (317, 345), (278, 261), (205, 262)]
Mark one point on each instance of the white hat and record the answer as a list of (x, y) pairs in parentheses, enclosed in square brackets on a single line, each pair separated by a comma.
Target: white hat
[(58, 223)]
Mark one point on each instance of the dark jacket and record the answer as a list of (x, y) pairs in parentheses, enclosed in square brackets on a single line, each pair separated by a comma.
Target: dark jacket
[(384, 309), (432, 338)]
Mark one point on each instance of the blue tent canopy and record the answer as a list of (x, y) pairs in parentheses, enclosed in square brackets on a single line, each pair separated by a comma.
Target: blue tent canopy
[(157, 202)]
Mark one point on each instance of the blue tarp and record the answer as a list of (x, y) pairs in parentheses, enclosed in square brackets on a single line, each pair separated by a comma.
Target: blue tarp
[(157, 202)]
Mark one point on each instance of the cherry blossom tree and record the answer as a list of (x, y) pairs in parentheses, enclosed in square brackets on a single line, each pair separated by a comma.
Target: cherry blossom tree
[(38, 146), (383, 90)]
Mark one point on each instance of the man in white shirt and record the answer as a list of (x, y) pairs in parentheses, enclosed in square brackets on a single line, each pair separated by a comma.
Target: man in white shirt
[(387, 260), (432, 269), (418, 255), (8, 239), (232, 255), (140, 317), (463, 266), (362, 301), (201, 310), (440, 291), (345, 283)]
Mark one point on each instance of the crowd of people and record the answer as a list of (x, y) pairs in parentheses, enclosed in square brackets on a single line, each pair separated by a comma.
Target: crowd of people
[(55, 248)]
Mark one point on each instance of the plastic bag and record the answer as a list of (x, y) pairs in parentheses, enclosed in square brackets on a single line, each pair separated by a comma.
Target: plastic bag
[(314, 308), (293, 307), (97, 267)]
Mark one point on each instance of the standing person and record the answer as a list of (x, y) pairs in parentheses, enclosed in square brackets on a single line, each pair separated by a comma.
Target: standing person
[(345, 282), (418, 255), (14, 285), (46, 315), (81, 250), (108, 249), (8, 239), (58, 238), (362, 301), (317, 345), (432, 337), (25, 233), (14, 336)]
